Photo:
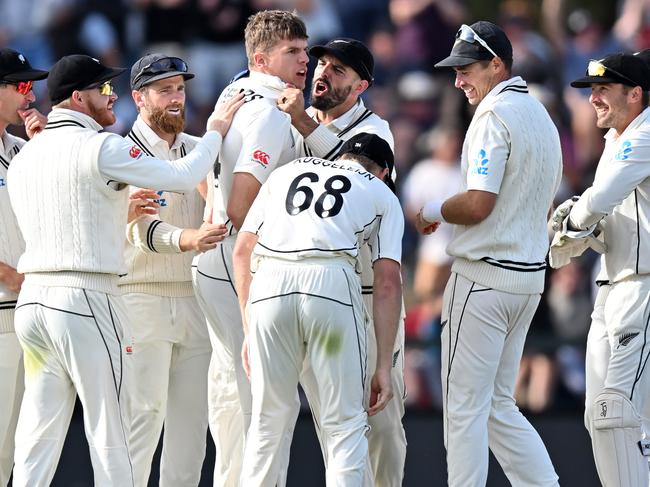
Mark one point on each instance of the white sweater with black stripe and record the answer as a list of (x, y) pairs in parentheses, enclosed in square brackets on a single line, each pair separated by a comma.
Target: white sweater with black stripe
[(507, 250), (12, 244), (155, 264)]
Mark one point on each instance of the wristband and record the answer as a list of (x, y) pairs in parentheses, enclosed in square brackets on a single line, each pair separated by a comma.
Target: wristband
[(432, 211)]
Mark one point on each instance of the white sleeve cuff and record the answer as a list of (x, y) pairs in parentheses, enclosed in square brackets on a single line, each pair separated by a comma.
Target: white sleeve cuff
[(432, 211), (152, 235)]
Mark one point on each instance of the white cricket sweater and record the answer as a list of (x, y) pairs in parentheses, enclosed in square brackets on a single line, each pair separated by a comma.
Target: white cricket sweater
[(11, 240), (69, 190), (151, 268), (507, 250)]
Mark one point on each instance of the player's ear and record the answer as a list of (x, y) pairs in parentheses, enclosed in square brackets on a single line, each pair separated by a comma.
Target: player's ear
[(362, 85), (138, 98), (259, 59), (77, 97)]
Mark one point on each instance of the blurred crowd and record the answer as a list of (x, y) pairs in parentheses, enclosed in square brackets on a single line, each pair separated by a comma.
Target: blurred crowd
[(553, 40)]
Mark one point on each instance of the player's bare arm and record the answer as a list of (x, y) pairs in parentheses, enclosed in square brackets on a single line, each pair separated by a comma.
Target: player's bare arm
[(11, 278), (387, 304), (241, 258), (292, 101), (203, 238), (244, 190), (468, 208), (221, 117)]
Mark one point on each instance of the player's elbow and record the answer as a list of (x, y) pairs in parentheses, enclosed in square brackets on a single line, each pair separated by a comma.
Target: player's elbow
[(387, 281), (236, 216), (480, 206)]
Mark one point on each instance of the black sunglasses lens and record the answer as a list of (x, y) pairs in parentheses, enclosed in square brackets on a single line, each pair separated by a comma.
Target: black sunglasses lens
[(168, 64)]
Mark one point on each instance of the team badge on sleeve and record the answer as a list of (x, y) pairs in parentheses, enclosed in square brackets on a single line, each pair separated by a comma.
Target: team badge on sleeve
[(135, 152), (624, 152), (480, 163), (261, 157)]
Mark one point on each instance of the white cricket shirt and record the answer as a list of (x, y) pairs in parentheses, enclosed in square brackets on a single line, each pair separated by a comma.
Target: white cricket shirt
[(313, 208)]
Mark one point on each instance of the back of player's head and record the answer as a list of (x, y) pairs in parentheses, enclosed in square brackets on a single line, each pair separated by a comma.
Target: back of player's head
[(268, 27), (368, 150)]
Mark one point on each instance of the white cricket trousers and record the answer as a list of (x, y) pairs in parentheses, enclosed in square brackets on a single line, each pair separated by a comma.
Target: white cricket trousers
[(618, 347), (386, 438), (483, 337), (75, 341), (308, 313), (229, 390), (11, 394), (170, 369)]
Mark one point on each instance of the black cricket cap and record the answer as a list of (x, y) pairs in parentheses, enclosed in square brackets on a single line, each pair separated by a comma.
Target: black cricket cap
[(351, 52), (14, 68), (77, 72), (374, 148), (156, 66), (626, 69), (465, 52), (644, 55)]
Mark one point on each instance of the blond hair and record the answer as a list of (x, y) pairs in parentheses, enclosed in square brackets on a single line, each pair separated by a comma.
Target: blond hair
[(268, 27)]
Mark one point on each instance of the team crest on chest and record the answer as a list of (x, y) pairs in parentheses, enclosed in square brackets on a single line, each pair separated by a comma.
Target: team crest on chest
[(135, 152)]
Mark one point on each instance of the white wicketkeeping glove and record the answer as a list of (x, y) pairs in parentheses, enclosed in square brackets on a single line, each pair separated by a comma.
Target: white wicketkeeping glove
[(561, 212), (567, 244)]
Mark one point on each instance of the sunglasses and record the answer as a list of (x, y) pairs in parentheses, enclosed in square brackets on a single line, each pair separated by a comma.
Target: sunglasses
[(467, 34), (163, 65), (105, 88), (596, 68), (22, 87)]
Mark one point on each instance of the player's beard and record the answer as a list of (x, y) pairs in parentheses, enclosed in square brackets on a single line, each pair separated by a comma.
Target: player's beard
[(332, 97), (165, 122), (101, 115)]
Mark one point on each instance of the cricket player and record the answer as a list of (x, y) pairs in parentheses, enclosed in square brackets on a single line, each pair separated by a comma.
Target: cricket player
[(69, 190), (618, 344), (343, 73), (172, 350), (260, 140), (304, 305), (16, 80), (511, 164)]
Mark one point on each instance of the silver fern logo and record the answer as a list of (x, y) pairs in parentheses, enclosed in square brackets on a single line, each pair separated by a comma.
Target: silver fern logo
[(625, 339)]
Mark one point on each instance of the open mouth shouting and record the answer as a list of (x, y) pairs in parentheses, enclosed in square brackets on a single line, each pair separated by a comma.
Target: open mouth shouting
[(321, 86)]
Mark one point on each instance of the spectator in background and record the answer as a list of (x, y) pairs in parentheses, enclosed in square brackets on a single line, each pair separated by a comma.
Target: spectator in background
[(216, 52), (424, 30), (434, 178)]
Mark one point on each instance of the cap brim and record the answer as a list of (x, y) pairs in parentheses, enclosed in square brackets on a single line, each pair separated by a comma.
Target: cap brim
[(160, 76), (453, 61), (109, 73), (27, 75), (587, 81)]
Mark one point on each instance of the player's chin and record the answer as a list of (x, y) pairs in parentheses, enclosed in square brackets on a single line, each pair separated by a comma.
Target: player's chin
[(299, 82)]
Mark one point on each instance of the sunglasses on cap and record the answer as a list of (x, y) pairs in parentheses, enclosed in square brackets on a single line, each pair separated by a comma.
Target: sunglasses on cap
[(22, 87), (467, 34), (596, 68), (163, 65)]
